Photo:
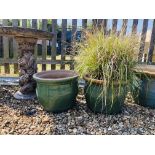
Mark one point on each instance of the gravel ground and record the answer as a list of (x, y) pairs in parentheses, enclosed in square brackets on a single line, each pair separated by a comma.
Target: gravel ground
[(29, 118)]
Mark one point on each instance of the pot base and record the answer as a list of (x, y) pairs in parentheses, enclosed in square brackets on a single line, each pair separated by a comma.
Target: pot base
[(20, 96)]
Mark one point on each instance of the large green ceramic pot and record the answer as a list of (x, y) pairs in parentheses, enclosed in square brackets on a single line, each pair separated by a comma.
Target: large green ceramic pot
[(147, 89), (96, 102), (57, 89)]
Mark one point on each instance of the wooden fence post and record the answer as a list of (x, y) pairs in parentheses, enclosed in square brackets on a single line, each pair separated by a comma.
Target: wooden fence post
[(15, 47), (54, 41), (94, 23), (44, 46), (124, 26), (6, 49), (63, 42), (114, 26), (74, 30), (34, 26), (100, 24), (134, 26), (24, 23), (142, 41), (152, 42), (34, 23), (105, 22), (84, 23), (1, 50)]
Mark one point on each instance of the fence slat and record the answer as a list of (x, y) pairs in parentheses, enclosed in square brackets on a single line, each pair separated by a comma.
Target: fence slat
[(34, 26), (152, 43), (134, 26), (114, 25), (142, 41), (84, 23), (94, 23), (44, 46), (34, 23), (124, 26), (63, 41), (74, 29), (1, 49), (24, 23), (100, 23), (15, 47), (6, 49), (1, 46), (54, 41), (105, 21)]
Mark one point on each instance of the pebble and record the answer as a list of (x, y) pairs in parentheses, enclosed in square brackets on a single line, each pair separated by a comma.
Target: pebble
[(109, 129), (74, 130), (20, 117), (45, 120)]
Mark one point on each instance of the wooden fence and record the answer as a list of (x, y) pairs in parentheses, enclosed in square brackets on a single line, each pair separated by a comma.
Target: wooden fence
[(8, 46)]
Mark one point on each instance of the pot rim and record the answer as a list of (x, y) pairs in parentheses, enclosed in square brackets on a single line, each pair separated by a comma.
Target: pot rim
[(149, 70), (37, 78), (99, 82)]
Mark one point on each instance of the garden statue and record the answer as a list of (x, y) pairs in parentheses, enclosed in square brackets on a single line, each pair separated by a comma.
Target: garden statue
[(26, 39)]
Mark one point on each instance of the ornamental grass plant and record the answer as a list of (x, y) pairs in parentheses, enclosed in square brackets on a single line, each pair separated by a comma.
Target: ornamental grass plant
[(110, 59)]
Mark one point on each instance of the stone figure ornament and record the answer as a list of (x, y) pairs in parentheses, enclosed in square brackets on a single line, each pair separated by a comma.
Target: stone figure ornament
[(26, 39), (27, 67)]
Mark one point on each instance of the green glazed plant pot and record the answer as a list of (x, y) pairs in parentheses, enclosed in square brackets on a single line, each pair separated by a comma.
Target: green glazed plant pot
[(147, 89), (57, 89), (95, 101)]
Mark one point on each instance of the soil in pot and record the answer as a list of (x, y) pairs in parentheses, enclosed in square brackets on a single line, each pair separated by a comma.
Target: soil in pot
[(98, 103), (57, 89)]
